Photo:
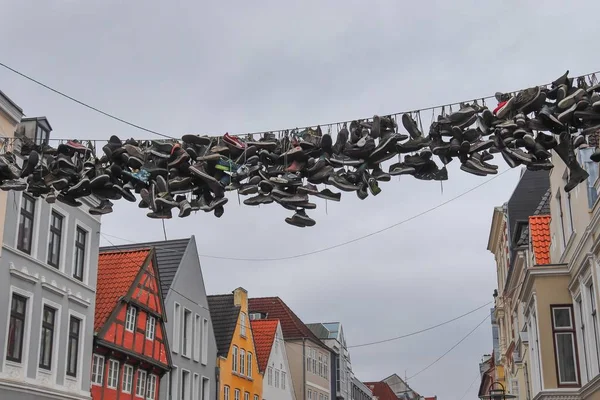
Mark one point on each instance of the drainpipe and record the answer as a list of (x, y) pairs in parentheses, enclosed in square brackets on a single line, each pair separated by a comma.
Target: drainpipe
[(304, 368)]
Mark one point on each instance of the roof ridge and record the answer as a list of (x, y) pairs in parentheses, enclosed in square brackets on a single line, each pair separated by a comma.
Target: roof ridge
[(126, 250)]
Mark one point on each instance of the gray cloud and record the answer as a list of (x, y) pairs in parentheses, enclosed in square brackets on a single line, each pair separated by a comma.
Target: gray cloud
[(183, 67)]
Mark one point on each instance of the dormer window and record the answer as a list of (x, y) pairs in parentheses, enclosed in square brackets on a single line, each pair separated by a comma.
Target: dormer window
[(41, 135), (257, 315)]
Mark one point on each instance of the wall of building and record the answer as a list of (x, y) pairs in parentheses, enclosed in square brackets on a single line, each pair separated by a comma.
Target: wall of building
[(31, 276), (278, 361), (294, 351), (8, 123), (189, 293)]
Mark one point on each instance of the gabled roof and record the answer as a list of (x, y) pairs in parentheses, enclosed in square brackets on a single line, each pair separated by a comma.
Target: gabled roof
[(263, 332), (291, 326), (224, 315), (382, 390), (116, 272), (168, 257), (539, 226)]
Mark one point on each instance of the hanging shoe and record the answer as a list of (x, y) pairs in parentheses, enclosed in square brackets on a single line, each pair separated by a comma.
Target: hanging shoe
[(411, 126), (105, 207), (329, 195)]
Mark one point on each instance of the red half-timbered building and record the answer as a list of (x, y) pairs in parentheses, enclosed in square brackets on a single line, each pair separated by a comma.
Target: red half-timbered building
[(131, 351)]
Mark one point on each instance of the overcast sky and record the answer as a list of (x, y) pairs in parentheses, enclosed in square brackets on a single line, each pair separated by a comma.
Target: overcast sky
[(183, 67)]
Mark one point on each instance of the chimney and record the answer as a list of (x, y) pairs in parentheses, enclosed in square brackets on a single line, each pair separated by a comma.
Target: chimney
[(240, 298)]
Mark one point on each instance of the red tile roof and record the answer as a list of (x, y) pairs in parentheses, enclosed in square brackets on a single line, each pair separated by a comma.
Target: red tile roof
[(116, 273), (291, 326), (382, 390), (263, 332), (539, 228)]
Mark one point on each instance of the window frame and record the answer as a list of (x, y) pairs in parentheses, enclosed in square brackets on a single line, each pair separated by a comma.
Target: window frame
[(79, 260), (197, 337), (283, 379), (242, 362), (25, 214), (249, 364), (204, 350), (594, 321), (139, 385), (234, 359), (572, 330), (55, 234), (276, 378), (99, 370), (270, 376), (236, 394), (185, 384), (242, 324), (151, 382), (124, 381), (246, 395), (45, 328), (150, 327), (113, 371), (186, 333), (73, 337), (23, 319), (130, 308), (226, 392)]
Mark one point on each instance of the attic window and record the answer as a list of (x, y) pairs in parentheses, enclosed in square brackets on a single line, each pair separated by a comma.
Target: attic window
[(41, 135), (257, 315)]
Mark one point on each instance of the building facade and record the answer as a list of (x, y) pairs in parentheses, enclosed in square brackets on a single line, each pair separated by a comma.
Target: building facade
[(131, 349), (189, 326), (239, 377), (309, 358), (360, 391), (47, 287), (271, 356)]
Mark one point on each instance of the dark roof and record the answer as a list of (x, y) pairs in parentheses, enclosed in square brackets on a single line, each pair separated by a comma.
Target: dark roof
[(291, 326), (525, 199), (168, 256), (544, 207), (224, 315), (319, 330)]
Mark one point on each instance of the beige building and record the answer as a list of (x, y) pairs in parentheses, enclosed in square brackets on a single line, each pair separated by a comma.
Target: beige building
[(10, 116), (547, 268)]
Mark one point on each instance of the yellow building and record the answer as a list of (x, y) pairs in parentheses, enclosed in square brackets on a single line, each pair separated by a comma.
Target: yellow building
[(238, 374)]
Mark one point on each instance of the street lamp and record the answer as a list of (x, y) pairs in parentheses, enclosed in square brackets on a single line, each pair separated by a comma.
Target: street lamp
[(497, 392)]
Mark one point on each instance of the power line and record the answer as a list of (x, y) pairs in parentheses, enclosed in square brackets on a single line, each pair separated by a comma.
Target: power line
[(470, 386), (422, 330), (324, 249), (85, 104), (440, 106), (451, 348)]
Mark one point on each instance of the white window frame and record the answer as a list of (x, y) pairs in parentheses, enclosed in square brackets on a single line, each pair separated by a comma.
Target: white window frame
[(236, 394), (283, 379), (242, 324), (176, 326), (150, 327), (246, 395), (186, 385), (205, 389), (26, 328), (204, 354), (565, 330), (100, 373), (127, 384), (276, 378), (595, 332), (197, 337), (270, 376), (112, 380), (249, 364), (174, 382), (186, 345), (55, 338), (242, 362), (141, 384), (130, 318), (81, 345), (234, 359), (196, 386), (226, 393), (151, 384)]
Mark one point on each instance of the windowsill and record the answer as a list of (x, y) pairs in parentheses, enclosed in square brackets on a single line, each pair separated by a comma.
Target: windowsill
[(186, 356), (242, 376), (14, 364)]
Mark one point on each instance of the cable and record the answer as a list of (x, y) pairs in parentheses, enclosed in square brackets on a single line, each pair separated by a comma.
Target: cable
[(451, 348), (422, 330), (84, 104), (324, 249), (242, 134), (470, 386)]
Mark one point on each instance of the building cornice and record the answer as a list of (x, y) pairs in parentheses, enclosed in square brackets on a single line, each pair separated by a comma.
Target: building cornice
[(590, 388), (10, 108), (539, 271), (495, 229)]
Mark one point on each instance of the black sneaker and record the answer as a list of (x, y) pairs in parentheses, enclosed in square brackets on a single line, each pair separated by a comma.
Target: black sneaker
[(160, 214), (68, 200), (305, 219), (340, 160), (248, 189), (401, 169), (340, 182), (258, 200), (362, 192), (30, 164), (381, 176), (329, 195), (199, 170), (219, 211), (105, 207), (411, 126), (294, 221), (308, 189), (196, 139), (413, 145), (571, 98), (17, 185), (185, 208), (461, 115)]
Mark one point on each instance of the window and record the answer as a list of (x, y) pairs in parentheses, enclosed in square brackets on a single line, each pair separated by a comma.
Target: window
[(276, 378), (140, 385), (564, 345), (242, 362), (255, 397), (592, 169), (176, 328), (196, 389), (151, 388), (326, 367), (321, 396), (41, 135), (150, 327), (80, 240), (127, 379), (197, 337), (270, 376), (204, 354), (283, 379), (249, 368), (97, 370), (187, 326), (226, 393), (16, 329), (130, 319), (47, 337), (174, 383), (236, 394), (113, 374), (73, 346), (234, 359), (308, 361), (320, 364), (56, 222), (243, 324), (26, 224), (185, 385), (592, 296), (583, 340), (246, 396), (314, 361), (205, 389), (562, 219), (309, 394), (514, 387)]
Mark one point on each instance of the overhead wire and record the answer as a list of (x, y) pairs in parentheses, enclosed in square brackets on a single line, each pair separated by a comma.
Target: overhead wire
[(470, 386), (345, 243), (440, 106)]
